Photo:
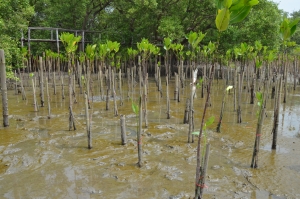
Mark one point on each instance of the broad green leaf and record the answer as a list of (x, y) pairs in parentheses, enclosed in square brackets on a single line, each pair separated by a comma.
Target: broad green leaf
[(252, 2), (237, 4), (293, 26), (240, 14), (228, 3), (222, 19)]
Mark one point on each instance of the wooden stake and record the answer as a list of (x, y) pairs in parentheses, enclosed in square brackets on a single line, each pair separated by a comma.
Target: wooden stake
[(4, 89), (123, 130)]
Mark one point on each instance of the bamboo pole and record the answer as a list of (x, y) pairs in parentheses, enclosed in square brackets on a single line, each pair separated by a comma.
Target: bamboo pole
[(4, 89), (276, 115), (123, 130), (88, 128), (48, 99), (41, 81), (139, 137)]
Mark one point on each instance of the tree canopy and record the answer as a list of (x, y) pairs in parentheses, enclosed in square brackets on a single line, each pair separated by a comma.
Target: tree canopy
[(128, 21)]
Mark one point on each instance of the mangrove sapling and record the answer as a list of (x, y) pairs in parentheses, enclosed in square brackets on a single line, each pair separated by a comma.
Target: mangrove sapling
[(146, 49), (70, 42), (41, 77), (112, 49), (261, 101), (222, 108), (4, 89), (200, 183)]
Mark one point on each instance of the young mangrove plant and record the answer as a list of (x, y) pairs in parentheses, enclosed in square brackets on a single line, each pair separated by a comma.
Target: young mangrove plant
[(70, 43), (261, 102)]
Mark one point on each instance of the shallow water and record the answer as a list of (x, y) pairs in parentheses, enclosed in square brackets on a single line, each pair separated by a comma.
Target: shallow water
[(40, 158)]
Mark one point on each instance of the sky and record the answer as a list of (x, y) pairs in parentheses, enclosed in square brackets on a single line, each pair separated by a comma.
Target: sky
[(288, 5)]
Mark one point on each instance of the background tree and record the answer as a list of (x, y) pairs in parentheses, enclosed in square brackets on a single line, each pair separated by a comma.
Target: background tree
[(14, 17)]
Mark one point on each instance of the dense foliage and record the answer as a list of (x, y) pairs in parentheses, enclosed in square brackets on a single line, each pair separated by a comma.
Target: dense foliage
[(129, 21)]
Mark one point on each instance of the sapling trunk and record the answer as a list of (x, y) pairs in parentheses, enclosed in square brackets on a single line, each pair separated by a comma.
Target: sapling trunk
[(139, 136), (261, 114), (252, 93), (87, 117), (41, 81), (71, 116), (186, 112), (62, 87), (198, 167), (4, 89), (201, 182), (235, 88), (145, 101), (108, 87), (120, 87), (22, 87), (123, 130), (176, 87), (221, 113), (168, 99), (128, 82), (34, 96), (114, 92), (285, 82), (276, 115), (191, 110), (48, 99), (54, 83), (239, 110)]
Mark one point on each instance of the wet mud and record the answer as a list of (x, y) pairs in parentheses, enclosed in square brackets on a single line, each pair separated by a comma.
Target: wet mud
[(41, 158)]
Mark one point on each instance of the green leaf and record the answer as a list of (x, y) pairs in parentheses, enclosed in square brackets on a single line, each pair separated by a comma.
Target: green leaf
[(196, 133), (228, 3), (210, 120), (240, 14), (228, 88), (259, 96), (258, 63), (253, 2), (135, 107), (222, 19)]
